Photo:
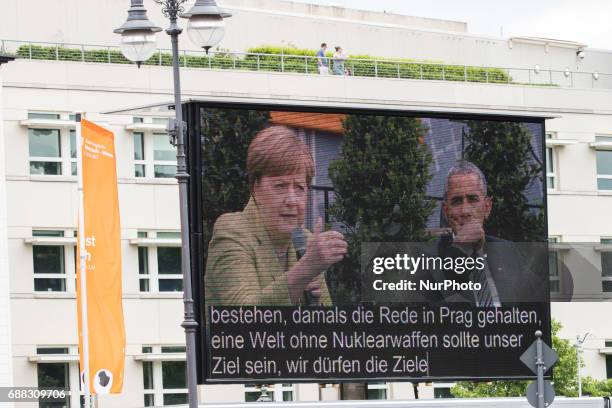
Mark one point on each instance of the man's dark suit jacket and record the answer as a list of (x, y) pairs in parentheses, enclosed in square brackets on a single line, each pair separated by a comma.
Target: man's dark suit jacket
[(518, 271)]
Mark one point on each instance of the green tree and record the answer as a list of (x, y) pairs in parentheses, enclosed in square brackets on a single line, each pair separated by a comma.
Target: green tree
[(226, 135), (380, 183), (565, 372), (565, 376), (596, 388), (503, 151)]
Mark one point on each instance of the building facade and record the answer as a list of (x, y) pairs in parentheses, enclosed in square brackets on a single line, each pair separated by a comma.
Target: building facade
[(38, 192)]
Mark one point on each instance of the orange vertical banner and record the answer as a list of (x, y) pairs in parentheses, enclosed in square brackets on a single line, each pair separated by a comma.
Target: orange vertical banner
[(105, 327)]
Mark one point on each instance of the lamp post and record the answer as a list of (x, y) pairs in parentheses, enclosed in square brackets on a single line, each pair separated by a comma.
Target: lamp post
[(578, 345), (206, 29)]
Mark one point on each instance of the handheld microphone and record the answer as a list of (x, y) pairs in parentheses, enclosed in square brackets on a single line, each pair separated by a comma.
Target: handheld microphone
[(299, 243)]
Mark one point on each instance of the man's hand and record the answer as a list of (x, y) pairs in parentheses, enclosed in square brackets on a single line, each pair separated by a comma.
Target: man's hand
[(469, 233)]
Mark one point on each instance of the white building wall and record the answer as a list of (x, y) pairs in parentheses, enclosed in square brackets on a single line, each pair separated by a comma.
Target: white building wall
[(577, 211), (6, 372), (281, 23), (153, 204)]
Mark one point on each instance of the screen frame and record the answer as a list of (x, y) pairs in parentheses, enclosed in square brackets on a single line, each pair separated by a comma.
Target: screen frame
[(193, 144)]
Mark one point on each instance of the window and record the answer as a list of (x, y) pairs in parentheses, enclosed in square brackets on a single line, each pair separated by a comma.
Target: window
[(550, 169), (606, 267), (147, 380), (54, 375), (139, 155), (551, 166), (164, 156), (52, 150), (154, 156), (45, 151), (143, 269), (553, 267), (276, 392), (608, 366), (604, 169), (159, 267), (376, 391), (51, 263), (160, 121), (47, 116), (73, 153), (164, 381), (169, 269)]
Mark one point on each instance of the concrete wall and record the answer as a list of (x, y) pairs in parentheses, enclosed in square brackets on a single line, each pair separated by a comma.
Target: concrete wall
[(74, 19), (283, 23), (577, 211), (6, 372), (153, 204)]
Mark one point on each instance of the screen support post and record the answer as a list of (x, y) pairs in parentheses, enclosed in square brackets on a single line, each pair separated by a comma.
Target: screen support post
[(176, 130)]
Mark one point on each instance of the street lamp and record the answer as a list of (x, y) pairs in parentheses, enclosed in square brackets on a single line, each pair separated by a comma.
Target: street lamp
[(206, 28), (138, 34)]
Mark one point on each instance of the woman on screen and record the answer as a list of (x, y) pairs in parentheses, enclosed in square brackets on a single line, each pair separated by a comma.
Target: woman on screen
[(251, 257)]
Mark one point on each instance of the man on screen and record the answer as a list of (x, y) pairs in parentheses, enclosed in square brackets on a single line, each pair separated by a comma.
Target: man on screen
[(251, 257), (506, 277)]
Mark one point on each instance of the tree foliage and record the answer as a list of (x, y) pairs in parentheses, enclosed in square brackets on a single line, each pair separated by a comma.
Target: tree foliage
[(380, 184), (565, 378), (503, 151), (226, 135), (565, 372), (596, 388)]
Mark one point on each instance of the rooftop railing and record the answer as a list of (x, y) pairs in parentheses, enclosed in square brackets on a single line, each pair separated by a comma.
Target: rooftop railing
[(305, 64)]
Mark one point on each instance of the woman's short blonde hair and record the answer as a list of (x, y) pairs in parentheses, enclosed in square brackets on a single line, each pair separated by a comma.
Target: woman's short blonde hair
[(277, 151)]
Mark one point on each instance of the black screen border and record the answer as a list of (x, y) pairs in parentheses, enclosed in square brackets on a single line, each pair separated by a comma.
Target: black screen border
[(193, 143)]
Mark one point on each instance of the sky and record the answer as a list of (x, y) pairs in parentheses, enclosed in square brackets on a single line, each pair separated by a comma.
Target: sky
[(584, 21)]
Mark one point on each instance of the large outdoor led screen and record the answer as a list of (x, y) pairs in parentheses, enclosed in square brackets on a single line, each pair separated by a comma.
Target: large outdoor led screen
[(338, 245)]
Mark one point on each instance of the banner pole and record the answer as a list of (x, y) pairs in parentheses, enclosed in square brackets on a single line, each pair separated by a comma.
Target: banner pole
[(82, 264)]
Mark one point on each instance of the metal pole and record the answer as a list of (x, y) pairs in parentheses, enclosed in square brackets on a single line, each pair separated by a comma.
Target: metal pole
[(83, 266), (578, 362), (529, 72), (578, 346), (189, 323), (540, 365), (550, 76)]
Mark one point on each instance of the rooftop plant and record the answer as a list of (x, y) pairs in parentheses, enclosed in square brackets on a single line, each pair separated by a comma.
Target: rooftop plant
[(279, 59)]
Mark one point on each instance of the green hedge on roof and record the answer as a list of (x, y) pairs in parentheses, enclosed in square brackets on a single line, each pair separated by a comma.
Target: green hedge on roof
[(285, 60)]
